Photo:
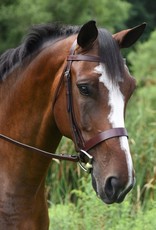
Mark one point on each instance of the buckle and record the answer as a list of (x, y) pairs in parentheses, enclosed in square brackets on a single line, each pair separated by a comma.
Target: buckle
[(86, 166)]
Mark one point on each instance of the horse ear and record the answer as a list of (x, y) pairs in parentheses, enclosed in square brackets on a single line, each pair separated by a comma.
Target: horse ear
[(88, 34), (128, 37)]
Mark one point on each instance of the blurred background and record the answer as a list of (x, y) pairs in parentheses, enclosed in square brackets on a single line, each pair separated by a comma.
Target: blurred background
[(72, 202)]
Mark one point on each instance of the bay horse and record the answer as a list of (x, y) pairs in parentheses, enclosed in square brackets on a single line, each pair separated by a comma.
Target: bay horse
[(71, 81)]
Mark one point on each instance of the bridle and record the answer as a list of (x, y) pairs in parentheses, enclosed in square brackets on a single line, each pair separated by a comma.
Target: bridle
[(81, 145)]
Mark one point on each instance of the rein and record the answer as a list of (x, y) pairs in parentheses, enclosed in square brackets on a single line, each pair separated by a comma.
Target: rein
[(81, 146), (73, 158)]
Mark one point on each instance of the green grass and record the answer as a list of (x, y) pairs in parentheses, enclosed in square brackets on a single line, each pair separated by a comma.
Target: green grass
[(141, 124), (90, 213)]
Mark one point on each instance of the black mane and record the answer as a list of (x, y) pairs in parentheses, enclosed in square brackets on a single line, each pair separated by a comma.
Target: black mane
[(34, 40), (40, 34), (111, 56)]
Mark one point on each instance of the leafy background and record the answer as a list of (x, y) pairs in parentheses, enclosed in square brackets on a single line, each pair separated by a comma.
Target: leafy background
[(72, 201)]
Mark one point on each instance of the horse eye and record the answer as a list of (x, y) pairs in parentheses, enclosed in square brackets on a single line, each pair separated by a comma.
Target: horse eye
[(84, 90)]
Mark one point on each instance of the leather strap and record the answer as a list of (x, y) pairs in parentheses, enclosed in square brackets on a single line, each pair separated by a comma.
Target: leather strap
[(78, 139), (73, 158), (115, 132), (80, 57)]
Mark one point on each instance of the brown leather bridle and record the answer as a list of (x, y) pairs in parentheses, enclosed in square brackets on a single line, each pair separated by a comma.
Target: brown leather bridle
[(84, 146), (81, 145)]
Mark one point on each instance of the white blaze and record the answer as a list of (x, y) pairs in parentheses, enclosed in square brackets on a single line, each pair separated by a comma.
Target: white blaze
[(116, 116)]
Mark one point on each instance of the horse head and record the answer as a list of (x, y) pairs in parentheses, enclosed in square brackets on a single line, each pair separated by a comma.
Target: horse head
[(99, 87)]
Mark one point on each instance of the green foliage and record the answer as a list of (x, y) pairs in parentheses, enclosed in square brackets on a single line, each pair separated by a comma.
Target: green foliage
[(17, 16), (142, 11), (64, 217), (141, 125), (143, 60), (71, 11), (63, 176), (90, 213), (112, 18)]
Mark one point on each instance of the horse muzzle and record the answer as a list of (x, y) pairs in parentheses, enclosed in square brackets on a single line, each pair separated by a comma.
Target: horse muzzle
[(112, 191)]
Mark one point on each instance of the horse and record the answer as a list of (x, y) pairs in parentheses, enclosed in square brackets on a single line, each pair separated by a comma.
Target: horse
[(71, 81)]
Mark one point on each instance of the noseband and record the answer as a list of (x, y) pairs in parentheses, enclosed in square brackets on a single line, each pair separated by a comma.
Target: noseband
[(81, 146)]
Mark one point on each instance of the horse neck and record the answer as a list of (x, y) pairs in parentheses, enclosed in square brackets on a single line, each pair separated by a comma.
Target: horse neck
[(26, 111)]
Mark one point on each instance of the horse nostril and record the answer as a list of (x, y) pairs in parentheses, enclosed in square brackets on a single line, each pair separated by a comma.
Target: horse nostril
[(112, 187)]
